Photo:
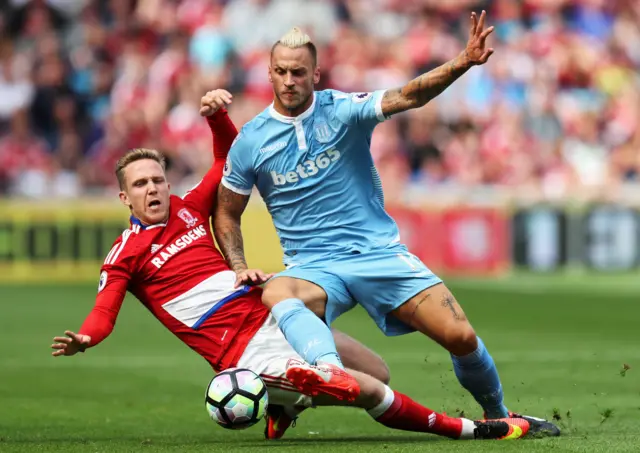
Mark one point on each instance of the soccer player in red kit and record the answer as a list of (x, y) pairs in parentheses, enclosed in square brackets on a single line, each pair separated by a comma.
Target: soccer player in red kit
[(168, 260)]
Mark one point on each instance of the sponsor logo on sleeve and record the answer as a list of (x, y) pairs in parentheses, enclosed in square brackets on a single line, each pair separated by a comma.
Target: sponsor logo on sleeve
[(359, 98), (103, 281)]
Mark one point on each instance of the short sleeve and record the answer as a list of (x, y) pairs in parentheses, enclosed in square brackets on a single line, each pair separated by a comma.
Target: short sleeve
[(364, 109), (238, 174)]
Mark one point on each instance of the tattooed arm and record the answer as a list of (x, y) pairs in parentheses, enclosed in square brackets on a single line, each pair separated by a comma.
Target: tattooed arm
[(427, 86), (226, 228), (422, 89)]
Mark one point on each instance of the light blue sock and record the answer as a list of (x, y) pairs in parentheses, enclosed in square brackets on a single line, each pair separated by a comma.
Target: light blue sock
[(478, 374), (305, 332)]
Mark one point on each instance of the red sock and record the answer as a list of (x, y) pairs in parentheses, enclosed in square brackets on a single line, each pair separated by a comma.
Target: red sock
[(406, 414)]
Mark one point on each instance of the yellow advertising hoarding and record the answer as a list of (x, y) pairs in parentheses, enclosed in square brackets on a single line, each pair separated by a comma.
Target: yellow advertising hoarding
[(68, 241)]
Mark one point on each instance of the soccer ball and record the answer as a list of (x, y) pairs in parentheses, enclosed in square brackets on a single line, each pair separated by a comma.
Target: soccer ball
[(236, 398)]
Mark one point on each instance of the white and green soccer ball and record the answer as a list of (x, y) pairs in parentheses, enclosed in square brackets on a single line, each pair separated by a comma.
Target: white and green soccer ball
[(236, 398)]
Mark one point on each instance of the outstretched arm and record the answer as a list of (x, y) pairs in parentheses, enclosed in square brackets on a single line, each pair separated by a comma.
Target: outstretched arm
[(230, 206), (212, 106), (422, 89), (100, 322), (222, 128)]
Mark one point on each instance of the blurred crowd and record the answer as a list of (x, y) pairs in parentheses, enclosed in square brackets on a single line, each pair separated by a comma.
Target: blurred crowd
[(553, 114)]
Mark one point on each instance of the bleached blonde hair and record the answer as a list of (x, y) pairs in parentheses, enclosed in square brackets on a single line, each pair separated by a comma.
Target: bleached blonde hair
[(296, 38)]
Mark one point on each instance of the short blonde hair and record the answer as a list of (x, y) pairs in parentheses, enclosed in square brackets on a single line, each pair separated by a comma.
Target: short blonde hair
[(134, 155), (296, 38)]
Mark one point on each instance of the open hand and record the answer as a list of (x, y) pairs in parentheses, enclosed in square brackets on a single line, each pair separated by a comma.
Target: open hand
[(251, 277), (475, 52), (71, 344), (211, 102)]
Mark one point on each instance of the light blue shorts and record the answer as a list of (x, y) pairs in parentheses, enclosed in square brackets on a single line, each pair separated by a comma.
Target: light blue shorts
[(380, 280)]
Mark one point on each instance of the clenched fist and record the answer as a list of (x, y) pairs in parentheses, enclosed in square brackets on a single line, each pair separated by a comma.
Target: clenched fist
[(213, 101)]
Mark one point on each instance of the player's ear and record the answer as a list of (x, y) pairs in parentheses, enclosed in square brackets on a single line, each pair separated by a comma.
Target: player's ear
[(270, 80), (124, 199), (316, 75)]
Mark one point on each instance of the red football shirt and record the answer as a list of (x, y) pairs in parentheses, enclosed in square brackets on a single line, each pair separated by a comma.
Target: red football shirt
[(177, 272)]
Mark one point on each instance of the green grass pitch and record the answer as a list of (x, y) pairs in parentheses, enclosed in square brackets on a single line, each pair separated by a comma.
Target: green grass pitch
[(560, 344)]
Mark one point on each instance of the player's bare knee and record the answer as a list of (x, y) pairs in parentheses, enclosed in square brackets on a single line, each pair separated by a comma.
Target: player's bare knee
[(380, 370), (461, 340), (357, 356), (275, 292), (371, 390), (282, 288), (316, 306)]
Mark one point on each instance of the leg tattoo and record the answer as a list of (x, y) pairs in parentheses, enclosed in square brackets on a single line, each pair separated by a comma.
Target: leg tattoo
[(449, 301), (415, 308)]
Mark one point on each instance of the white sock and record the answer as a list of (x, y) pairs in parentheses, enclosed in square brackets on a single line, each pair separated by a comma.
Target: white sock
[(468, 429), (385, 404)]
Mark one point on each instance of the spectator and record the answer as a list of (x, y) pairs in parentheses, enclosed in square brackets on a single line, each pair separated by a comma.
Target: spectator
[(559, 104)]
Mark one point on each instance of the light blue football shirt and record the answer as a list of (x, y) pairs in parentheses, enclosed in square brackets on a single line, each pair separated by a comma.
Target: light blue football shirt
[(316, 175)]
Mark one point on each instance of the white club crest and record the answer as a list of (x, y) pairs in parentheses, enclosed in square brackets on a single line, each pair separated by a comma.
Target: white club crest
[(188, 219), (322, 132)]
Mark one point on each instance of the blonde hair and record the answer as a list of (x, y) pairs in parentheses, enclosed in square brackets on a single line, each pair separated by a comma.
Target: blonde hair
[(294, 39), (134, 155)]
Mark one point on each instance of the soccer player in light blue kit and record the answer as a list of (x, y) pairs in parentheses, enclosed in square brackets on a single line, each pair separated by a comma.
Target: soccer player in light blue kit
[(309, 156)]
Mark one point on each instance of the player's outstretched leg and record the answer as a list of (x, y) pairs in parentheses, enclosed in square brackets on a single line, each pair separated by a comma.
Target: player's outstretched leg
[(309, 336), (436, 313), (328, 379), (398, 411), (477, 373), (306, 333)]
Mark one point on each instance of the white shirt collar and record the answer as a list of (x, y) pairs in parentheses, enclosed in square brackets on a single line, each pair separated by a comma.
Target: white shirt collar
[(293, 119)]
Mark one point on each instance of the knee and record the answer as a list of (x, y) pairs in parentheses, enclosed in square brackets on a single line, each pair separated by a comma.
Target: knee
[(461, 340), (277, 291), (357, 356), (372, 392), (380, 371), (274, 293)]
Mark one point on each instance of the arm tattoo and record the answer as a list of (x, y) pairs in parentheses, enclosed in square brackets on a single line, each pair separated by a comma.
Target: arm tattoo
[(422, 89), (449, 301), (226, 227)]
